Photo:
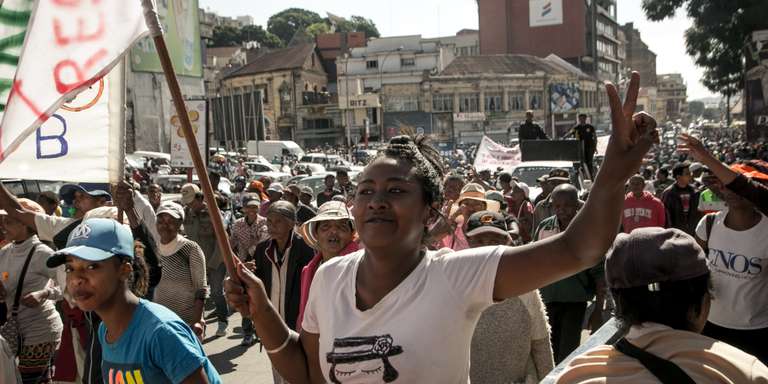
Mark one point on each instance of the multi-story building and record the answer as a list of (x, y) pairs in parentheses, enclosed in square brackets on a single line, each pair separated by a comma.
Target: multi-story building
[(672, 96), (489, 95), (465, 43), (584, 33), (293, 83), (639, 57), (331, 46), (385, 76)]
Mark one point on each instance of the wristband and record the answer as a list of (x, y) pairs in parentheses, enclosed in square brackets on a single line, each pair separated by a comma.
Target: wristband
[(282, 346)]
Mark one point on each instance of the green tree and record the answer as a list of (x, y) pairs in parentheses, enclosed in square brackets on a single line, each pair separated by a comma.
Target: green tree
[(717, 38), (318, 29), (696, 108), (359, 24), (258, 33), (286, 23), (225, 36)]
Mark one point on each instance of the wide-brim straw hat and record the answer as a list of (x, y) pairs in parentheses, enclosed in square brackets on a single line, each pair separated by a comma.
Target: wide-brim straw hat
[(332, 210)]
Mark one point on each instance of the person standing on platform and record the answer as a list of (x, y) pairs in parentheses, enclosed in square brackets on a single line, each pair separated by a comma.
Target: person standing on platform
[(586, 134), (530, 130)]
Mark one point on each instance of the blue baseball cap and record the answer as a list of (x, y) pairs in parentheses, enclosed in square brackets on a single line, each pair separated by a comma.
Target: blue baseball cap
[(67, 191), (95, 240)]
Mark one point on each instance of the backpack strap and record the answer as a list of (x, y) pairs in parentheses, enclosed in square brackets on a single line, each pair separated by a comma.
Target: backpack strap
[(20, 284), (666, 371), (710, 222)]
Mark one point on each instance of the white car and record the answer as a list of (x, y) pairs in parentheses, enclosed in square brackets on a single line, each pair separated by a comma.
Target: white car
[(173, 183), (280, 177), (528, 172)]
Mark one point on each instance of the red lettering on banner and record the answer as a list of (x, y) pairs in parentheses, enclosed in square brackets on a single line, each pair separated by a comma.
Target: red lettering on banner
[(63, 87), (72, 3), (82, 36)]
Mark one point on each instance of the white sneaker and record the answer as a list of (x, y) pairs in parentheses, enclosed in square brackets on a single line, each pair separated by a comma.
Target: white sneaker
[(222, 330)]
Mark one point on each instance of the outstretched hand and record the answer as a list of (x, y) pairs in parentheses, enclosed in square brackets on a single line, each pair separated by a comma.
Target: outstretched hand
[(692, 146), (632, 137)]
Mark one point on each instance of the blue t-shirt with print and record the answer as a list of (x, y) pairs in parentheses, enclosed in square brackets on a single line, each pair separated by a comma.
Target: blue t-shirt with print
[(158, 347)]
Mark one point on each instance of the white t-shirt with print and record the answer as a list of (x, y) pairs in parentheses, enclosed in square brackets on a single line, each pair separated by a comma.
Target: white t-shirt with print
[(418, 333), (738, 261)]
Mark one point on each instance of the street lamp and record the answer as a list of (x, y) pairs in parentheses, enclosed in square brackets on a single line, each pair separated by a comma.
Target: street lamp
[(381, 91)]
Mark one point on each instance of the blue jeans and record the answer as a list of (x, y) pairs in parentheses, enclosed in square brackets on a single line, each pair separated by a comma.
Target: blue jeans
[(216, 282)]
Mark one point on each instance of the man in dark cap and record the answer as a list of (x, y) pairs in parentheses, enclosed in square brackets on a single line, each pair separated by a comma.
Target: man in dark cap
[(660, 282)]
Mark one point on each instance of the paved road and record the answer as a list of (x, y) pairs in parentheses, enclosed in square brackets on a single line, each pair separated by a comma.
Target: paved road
[(236, 364)]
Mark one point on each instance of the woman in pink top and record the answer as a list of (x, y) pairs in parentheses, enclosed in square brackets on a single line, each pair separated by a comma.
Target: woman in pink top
[(331, 233)]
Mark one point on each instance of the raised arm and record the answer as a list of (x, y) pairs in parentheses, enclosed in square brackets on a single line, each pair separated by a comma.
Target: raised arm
[(694, 147), (593, 230), (9, 203)]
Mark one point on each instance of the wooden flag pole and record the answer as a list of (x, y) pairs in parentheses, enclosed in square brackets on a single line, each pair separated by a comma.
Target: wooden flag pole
[(153, 23)]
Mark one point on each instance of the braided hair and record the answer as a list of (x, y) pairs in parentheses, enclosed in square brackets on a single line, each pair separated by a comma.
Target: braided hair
[(429, 166)]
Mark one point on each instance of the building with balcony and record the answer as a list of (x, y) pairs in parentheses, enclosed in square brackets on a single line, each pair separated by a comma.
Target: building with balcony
[(489, 95), (672, 97), (584, 33), (294, 88), (387, 72)]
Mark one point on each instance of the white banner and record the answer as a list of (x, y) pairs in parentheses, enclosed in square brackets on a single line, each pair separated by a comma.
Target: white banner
[(180, 155), (545, 12), (82, 142), (69, 46), (491, 155)]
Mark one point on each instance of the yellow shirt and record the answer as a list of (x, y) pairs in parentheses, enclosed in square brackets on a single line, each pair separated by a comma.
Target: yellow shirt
[(704, 359)]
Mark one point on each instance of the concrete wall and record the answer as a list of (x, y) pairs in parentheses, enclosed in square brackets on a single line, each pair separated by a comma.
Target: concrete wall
[(148, 100)]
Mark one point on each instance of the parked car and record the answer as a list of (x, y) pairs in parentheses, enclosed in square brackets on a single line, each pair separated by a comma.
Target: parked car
[(173, 183), (260, 167), (528, 172), (280, 177)]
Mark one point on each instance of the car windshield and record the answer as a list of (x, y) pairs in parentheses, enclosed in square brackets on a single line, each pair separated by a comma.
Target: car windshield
[(529, 175)]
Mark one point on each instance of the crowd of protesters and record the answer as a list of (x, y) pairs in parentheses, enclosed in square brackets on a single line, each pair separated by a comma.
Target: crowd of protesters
[(408, 273)]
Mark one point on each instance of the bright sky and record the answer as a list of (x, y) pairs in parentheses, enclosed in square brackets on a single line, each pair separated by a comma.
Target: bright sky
[(432, 18)]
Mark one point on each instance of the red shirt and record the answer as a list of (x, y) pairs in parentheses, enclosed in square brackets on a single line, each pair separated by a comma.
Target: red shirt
[(647, 211)]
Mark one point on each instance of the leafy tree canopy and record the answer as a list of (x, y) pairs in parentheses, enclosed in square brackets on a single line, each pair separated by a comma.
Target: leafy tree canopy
[(360, 24), (716, 39), (228, 36), (286, 23)]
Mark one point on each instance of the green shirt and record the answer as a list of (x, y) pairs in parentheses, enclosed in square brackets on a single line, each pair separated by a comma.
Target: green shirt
[(578, 288)]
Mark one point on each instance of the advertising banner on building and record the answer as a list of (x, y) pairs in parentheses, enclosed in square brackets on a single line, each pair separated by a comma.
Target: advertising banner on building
[(564, 97), (545, 12), (397, 123), (181, 157), (181, 24), (491, 155)]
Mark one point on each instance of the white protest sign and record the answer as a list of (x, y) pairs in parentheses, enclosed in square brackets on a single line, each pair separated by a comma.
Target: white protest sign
[(82, 142), (180, 154), (69, 46), (602, 144), (491, 155)]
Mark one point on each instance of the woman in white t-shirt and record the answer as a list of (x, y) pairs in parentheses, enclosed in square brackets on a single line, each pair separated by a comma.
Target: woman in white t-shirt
[(737, 245), (395, 311)]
